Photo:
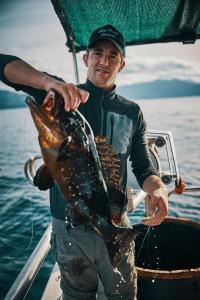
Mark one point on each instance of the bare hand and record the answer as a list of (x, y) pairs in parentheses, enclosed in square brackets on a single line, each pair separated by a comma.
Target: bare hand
[(72, 95), (158, 207)]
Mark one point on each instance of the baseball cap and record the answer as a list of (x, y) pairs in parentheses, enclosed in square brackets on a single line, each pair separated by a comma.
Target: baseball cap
[(108, 32)]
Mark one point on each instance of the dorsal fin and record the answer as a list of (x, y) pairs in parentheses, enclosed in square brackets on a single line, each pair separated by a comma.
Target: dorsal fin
[(110, 164)]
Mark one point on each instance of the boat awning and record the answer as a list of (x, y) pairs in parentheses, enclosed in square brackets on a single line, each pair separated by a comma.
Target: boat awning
[(141, 21)]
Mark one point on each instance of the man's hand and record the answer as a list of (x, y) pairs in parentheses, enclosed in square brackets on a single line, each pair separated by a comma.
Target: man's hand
[(157, 201), (20, 72), (72, 95)]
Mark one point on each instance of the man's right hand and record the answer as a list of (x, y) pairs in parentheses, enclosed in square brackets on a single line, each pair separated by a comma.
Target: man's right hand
[(19, 72), (72, 95)]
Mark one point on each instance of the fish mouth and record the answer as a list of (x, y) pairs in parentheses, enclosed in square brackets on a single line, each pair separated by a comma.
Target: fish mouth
[(44, 121), (40, 117)]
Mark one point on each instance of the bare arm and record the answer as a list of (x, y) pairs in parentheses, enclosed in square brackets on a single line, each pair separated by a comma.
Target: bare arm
[(19, 72), (158, 200)]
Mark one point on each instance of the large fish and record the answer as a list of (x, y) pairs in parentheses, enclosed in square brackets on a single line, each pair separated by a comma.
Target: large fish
[(69, 151)]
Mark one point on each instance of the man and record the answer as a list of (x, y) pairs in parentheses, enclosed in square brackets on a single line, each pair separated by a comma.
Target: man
[(80, 252)]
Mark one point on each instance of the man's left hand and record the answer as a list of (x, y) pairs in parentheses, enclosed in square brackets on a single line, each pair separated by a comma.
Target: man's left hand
[(157, 201)]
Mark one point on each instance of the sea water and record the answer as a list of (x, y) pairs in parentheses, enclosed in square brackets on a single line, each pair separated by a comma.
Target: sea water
[(24, 210)]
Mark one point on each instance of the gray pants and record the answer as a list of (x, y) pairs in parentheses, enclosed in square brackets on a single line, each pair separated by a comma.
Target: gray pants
[(83, 259)]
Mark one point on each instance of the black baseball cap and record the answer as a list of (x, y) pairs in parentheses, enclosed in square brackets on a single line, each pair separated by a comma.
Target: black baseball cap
[(108, 32)]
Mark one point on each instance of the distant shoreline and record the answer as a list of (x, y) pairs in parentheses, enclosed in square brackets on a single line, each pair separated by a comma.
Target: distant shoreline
[(159, 89), (184, 98)]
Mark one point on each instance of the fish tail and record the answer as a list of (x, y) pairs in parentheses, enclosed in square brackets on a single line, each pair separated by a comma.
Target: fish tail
[(118, 240)]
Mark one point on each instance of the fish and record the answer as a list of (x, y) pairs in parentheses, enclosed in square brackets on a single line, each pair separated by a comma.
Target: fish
[(70, 153)]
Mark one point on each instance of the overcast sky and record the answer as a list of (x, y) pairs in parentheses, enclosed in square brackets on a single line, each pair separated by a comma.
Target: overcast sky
[(31, 30)]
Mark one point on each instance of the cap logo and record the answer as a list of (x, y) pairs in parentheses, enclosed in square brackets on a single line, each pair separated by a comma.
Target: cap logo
[(108, 30), (107, 34)]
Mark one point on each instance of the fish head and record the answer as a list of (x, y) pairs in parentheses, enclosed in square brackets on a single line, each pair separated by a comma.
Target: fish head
[(59, 131)]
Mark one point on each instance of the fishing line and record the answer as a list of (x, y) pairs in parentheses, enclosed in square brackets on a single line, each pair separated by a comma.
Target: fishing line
[(15, 187), (141, 246), (145, 236), (26, 150), (34, 147), (31, 238), (23, 179)]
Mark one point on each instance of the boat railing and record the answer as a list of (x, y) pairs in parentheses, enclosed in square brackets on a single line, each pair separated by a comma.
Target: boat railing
[(27, 275)]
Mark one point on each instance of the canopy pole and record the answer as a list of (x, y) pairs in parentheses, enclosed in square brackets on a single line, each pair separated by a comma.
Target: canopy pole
[(75, 62), (69, 34)]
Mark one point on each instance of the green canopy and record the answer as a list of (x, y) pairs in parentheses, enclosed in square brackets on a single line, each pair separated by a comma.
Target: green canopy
[(141, 21)]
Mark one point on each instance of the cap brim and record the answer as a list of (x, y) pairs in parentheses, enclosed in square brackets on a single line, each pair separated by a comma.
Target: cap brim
[(107, 39)]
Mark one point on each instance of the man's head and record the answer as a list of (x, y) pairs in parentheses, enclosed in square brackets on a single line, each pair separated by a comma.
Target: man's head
[(105, 56)]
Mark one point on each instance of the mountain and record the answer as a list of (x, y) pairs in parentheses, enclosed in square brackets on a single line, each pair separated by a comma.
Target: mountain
[(11, 99), (147, 90), (160, 89)]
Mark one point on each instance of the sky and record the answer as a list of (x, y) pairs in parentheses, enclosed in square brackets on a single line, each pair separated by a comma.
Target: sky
[(31, 30)]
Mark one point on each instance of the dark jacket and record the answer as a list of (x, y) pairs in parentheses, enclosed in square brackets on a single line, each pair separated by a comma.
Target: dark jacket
[(112, 116)]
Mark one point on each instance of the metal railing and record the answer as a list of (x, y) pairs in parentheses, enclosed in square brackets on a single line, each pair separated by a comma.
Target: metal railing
[(27, 275)]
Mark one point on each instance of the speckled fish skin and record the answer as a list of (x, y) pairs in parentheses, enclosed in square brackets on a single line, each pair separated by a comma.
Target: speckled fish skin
[(110, 164), (72, 159)]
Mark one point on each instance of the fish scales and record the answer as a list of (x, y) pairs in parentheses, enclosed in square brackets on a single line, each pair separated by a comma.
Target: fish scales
[(111, 171)]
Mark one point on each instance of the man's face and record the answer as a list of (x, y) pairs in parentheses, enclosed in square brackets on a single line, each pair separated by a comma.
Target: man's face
[(104, 61)]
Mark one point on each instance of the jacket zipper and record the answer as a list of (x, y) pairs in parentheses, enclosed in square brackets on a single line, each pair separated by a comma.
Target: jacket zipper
[(102, 115), (111, 130)]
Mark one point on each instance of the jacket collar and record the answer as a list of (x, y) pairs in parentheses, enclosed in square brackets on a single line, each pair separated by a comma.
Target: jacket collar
[(91, 88)]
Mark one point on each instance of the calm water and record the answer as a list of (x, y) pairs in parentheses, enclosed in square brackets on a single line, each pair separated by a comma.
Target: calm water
[(24, 211)]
